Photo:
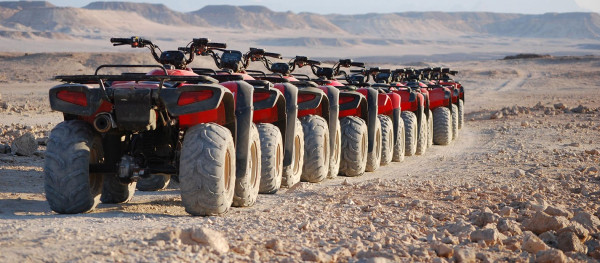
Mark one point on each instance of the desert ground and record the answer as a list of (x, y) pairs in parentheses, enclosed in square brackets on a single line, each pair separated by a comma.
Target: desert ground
[(520, 184)]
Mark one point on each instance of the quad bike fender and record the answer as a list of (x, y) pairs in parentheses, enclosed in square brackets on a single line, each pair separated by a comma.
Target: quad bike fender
[(290, 92), (462, 93), (409, 100), (372, 97), (215, 103), (353, 103), (75, 99), (244, 109), (333, 95), (439, 97), (313, 101)]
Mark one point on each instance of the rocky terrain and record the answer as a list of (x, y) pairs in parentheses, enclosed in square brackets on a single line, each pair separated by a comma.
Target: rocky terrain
[(520, 184)]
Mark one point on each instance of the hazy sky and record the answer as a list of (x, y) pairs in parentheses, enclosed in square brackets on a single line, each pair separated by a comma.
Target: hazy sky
[(382, 6)]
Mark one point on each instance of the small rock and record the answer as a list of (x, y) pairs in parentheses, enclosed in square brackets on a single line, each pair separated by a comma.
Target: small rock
[(340, 254), (560, 106), (4, 149), (593, 152), (507, 226), (314, 256), (442, 250), (520, 173), (589, 221), (558, 211), (486, 217), (274, 244), (542, 222), (489, 236), (569, 242), (580, 109), (549, 238), (496, 115), (24, 145), (575, 144), (550, 256), (525, 124), (582, 233), (464, 255), (209, 237), (532, 243)]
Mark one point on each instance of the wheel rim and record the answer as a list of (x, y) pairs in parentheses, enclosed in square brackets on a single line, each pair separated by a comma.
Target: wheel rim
[(363, 147), (253, 167), (297, 153), (279, 161), (228, 171), (326, 150), (336, 147), (378, 145)]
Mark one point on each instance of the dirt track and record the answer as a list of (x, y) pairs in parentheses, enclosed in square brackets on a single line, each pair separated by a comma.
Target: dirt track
[(498, 173)]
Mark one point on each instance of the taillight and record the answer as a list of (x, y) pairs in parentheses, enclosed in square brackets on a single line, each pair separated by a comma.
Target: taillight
[(260, 96), (74, 97), (190, 97), (306, 97), (346, 99)]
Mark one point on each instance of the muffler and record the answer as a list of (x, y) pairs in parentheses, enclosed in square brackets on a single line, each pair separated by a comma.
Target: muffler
[(104, 122)]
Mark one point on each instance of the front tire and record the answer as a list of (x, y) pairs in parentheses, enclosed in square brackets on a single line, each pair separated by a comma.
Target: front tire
[(387, 139), (293, 172), (155, 182), (399, 146), (207, 170), (422, 137), (248, 184), (461, 114), (316, 149), (374, 157), (442, 126), (454, 121), (70, 187), (411, 132), (355, 144), (334, 162), (271, 148)]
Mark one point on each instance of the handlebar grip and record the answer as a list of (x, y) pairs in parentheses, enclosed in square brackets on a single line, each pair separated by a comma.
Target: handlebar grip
[(273, 55), (358, 64), (217, 45), (120, 40)]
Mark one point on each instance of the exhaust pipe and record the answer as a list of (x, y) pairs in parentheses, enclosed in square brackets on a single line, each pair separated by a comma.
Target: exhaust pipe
[(104, 122)]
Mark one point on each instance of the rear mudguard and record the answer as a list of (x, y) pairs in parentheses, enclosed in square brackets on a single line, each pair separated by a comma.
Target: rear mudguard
[(271, 109), (290, 92), (243, 114), (333, 94), (372, 98), (395, 113), (318, 105)]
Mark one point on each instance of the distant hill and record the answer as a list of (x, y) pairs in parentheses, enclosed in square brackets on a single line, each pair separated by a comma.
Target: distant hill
[(102, 19)]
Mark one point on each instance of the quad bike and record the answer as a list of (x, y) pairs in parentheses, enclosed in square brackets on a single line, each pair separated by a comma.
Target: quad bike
[(360, 125), (315, 104), (416, 115), (168, 121), (443, 77), (285, 158), (389, 111), (441, 106)]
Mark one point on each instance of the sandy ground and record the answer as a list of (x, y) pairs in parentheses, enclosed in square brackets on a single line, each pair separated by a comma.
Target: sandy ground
[(527, 147)]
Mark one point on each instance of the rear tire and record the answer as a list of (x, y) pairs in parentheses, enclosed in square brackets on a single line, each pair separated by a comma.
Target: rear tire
[(399, 146), (422, 137), (70, 187), (114, 191), (248, 184), (387, 139), (430, 129), (292, 172), (442, 126), (271, 148), (410, 132), (334, 161), (454, 121), (316, 149), (207, 170), (154, 183), (355, 144), (461, 114)]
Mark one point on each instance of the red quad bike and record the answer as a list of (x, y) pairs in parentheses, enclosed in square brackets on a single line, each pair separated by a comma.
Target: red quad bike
[(315, 103), (389, 111), (358, 110), (133, 125), (415, 110), (276, 114), (440, 102), (443, 77)]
